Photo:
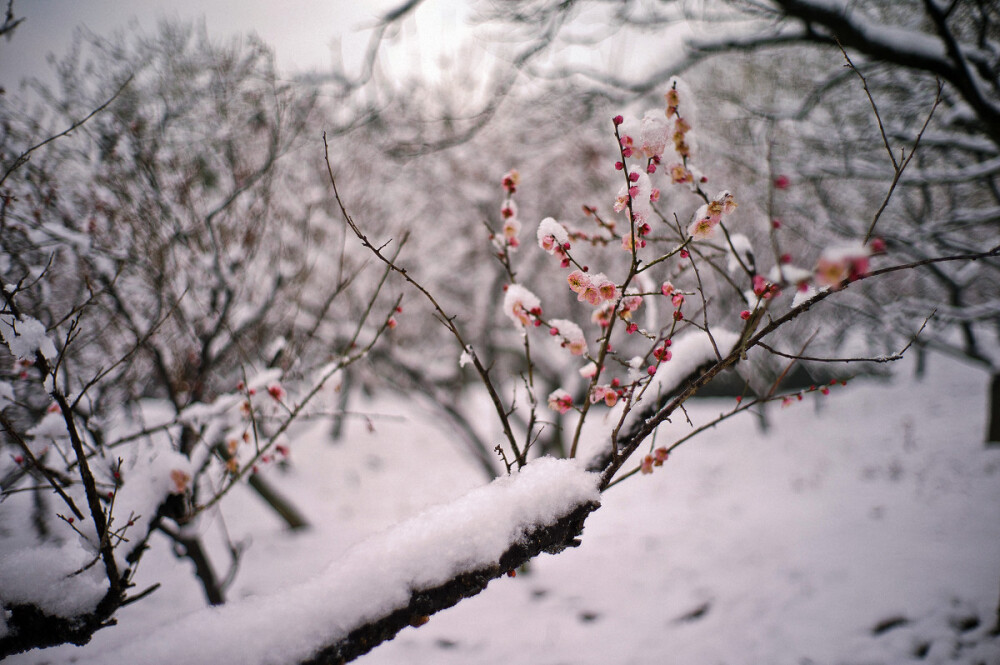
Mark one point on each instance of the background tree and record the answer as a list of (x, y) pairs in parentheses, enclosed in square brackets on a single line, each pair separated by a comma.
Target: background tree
[(819, 145)]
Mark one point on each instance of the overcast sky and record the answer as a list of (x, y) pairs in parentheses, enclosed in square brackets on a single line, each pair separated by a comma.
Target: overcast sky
[(302, 32)]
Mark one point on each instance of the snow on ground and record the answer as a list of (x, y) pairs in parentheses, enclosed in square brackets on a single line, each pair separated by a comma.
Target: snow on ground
[(860, 529)]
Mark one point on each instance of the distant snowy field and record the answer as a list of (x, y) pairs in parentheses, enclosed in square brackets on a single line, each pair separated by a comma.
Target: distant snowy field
[(862, 528)]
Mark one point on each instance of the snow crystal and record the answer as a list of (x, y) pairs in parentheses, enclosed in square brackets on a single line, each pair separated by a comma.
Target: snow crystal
[(46, 576), (550, 228), (146, 482), (25, 337), (653, 133), (845, 252), (51, 429), (803, 295), (570, 334), (373, 578), (744, 250), (518, 303), (690, 351)]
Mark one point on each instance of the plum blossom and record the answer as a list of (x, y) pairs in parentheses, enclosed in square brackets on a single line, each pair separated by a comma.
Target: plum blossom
[(180, 479), (560, 400), (510, 181), (602, 315), (763, 288), (511, 227), (571, 335), (680, 174), (552, 236), (519, 304), (836, 264), (653, 132), (702, 228), (592, 289), (509, 209), (604, 393), (710, 215), (630, 303)]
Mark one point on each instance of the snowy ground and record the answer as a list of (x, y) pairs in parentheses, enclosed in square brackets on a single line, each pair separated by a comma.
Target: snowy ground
[(862, 529)]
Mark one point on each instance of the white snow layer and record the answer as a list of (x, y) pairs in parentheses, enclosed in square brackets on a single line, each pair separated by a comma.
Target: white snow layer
[(374, 577)]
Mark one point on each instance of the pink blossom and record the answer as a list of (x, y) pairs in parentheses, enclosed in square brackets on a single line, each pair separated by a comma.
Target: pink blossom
[(621, 202), (590, 294), (653, 135), (602, 315), (647, 464), (572, 336), (630, 303), (763, 288), (838, 264), (508, 210), (578, 281), (180, 479), (519, 304), (605, 287), (604, 393), (560, 400), (277, 392), (667, 289), (679, 174), (511, 227), (552, 236), (703, 228), (511, 180)]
